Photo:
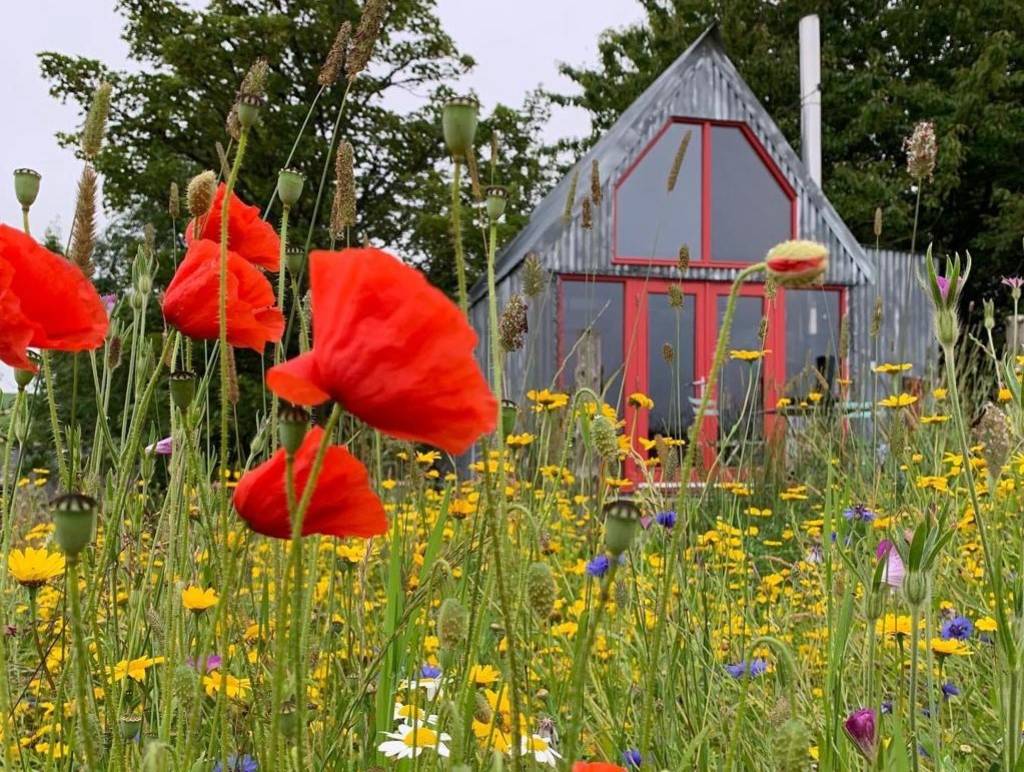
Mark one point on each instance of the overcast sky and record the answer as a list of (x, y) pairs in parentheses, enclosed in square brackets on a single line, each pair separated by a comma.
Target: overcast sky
[(517, 46)]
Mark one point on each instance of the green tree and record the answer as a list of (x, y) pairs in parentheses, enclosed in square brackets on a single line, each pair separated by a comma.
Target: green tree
[(885, 66)]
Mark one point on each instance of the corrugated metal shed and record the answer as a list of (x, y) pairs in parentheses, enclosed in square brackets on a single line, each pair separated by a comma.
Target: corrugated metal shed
[(701, 83)]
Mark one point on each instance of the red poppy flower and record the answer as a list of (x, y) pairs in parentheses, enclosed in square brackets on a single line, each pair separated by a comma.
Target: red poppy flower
[(596, 766), (342, 505), (191, 302), (393, 350), (45, 302), (248, 234)]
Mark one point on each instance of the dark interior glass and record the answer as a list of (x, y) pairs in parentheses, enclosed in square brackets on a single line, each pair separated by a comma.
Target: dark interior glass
[(650, 221), (741, 382), (592, 327), (750, 213), (670, 383), (812, 340)]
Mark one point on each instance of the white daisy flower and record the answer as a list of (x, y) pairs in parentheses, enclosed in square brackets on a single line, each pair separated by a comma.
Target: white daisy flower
[(541, 750), (409, 742), (429, 684), (411, 714)]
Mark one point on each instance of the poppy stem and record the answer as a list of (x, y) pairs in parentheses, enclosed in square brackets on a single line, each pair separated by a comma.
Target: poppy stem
[(58, 443), (460, 258), (279, 346), (82, 701)]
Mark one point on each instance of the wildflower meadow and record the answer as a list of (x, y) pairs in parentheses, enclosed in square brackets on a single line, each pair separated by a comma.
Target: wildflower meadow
[(323, 532)]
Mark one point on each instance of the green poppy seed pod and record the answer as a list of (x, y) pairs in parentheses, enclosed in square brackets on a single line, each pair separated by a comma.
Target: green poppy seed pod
[(129, 726), (509, 414), (289, 186), (289, 720), (249, 106), (915, 587), (452, 624), (74, 516), (182, 387), (459, 120), (621, 519), (26, 186), (497, 199), (541, 589), (295, 261), (293, 425), (23, 378)]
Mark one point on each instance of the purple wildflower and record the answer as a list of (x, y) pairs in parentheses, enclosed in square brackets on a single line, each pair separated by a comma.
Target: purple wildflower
[(109, 301), (162, 447), (631, 758), (859, 513), (755, 668), (959, 628), (430, 671), (244, 763), (205, 664), (1013, 282), (598, 567), (949, 689), (894, 570), (860, 728), (666, 520)]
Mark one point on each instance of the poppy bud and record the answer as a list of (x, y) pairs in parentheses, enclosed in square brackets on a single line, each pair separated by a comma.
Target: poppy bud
[(24, 377), (249, 110), (74, 518), (497, 198), (294, 422), (796, 263), (199, 195), (458, 120), (452, 624), (541, 589), (289, 720), (915, 587), (509, 413), (289, 186), (860, 728), (295, 261), (621, 519), (174, 201), (606, 443), (26, 186), (182, 388)]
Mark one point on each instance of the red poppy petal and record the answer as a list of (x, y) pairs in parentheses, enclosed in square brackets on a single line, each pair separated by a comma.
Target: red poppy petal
[(15, 329), (250, 236), (395, 351), (343, 503), (296, 381), (54, 296)]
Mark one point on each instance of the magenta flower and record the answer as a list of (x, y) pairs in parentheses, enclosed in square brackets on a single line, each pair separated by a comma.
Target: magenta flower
[(206, 664), (860, 728), (162, 447), (109, 301), (894, 570), (1013, 282), (943, 283)]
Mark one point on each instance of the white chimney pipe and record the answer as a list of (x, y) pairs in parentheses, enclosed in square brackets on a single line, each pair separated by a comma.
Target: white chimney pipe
[(810, 95)]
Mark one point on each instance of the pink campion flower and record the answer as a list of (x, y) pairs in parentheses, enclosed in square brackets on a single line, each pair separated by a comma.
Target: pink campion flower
[(109, 301), (162, 447), (894, 570), (943, 283), (860, 728), (1013, 282)]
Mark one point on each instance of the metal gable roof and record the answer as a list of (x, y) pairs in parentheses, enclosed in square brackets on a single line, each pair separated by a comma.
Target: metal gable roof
[(701, 83)]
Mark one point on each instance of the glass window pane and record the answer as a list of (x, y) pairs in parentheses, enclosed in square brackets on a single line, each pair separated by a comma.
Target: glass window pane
[(740, 401), (670, 332), (750, 213), (592, 336), (650, 222), (812, 341)]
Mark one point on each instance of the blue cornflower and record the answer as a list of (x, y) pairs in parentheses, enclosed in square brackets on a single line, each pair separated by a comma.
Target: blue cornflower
[(430, 671), (859, 513), (886, 707), (755, 668), (631, 756), (598, 567), (949, 689), (244, 763), (959, 628), (666, 519)]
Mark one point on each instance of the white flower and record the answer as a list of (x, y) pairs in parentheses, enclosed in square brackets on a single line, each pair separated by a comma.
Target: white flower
[(430, 684), (409, 742), (410, 714), (541, 750)]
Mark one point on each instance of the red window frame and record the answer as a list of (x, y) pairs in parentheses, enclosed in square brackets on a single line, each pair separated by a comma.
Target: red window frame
[(706, 259), (635, 337)]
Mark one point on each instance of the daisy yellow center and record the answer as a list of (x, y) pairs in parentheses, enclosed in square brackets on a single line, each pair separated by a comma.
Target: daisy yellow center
[(421, 737), (537, 744)]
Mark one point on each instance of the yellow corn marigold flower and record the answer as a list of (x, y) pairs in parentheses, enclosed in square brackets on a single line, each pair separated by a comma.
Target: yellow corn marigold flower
[(891, 368), (898, 400), (235, 688), (940, 393), (641, 400), (197, 599), (747, 355), (484, 675), (33, 568), (1004, 395), (133, 668), (952, 647), (546, 399), (427, 458), (783, 402), (519, 440), (934, 419), (986, 625)]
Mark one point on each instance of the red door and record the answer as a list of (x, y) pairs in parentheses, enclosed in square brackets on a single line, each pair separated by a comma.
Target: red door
[(669, 357)]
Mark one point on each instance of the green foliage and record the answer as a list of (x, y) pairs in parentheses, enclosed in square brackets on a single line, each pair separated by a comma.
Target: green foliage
[(885, 66)]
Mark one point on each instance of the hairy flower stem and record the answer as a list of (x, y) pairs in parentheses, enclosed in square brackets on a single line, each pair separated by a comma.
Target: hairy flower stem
[(460, 257), (915, 647), (298, 513), (671, 547), (58, 443), (81, 666), (279, 346), (500, 522)]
